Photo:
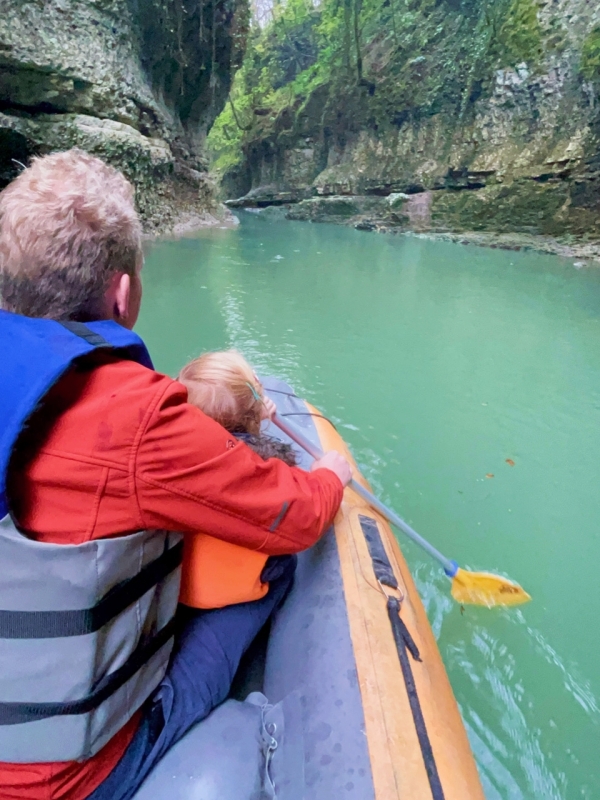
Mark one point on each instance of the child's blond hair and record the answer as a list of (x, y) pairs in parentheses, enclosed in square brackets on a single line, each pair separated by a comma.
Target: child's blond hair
[(223, 385)]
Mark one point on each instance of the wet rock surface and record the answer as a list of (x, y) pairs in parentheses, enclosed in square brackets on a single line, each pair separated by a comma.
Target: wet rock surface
[(136, 84)]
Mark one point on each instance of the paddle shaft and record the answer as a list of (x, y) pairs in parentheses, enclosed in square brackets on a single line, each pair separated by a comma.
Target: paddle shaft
[(294, 434)]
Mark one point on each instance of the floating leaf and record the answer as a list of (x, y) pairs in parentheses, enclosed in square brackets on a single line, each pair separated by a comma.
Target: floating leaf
[(510, 462), (489, 475)]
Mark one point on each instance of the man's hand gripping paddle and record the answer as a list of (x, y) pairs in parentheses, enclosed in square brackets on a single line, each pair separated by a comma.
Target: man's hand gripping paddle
[(476, 588)]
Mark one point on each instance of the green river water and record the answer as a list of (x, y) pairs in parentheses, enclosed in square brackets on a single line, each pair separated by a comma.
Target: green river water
[(439, 362)]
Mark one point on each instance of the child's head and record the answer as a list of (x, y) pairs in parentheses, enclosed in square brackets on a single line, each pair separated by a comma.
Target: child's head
[(223, 385)]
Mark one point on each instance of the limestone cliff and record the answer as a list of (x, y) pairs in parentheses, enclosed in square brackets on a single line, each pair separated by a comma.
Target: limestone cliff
[(137, 82), (500, 132)]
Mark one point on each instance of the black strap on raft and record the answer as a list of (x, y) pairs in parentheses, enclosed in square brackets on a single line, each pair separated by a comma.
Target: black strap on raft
[(404, 642)]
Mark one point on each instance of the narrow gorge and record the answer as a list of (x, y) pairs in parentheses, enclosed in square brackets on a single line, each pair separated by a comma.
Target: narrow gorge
[(476, 118)]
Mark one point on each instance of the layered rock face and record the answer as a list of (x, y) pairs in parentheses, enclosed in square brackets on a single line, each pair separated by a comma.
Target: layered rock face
[(136, 83), (523, 155)]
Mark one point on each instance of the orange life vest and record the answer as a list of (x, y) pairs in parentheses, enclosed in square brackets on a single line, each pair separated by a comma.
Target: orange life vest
[(216, 573)]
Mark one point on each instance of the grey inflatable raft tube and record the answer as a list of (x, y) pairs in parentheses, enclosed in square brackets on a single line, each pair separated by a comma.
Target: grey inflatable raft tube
[(325, 714)]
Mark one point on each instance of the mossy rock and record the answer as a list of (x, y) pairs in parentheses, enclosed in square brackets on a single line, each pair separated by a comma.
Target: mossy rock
[(590, 56), (321, 208), (523, 206), (339, 208), (396, 201), (520, 36)]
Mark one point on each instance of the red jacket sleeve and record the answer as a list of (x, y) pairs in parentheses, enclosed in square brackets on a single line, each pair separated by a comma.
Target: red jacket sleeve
[(192, 475)]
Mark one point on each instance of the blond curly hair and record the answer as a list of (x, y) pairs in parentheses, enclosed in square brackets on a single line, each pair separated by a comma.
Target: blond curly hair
[(67, 224)]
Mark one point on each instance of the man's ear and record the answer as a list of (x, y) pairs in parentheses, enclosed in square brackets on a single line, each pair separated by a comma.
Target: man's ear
[(118, 295)]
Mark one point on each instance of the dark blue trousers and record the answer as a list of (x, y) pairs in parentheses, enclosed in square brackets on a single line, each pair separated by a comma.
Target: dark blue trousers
[(205, 659)]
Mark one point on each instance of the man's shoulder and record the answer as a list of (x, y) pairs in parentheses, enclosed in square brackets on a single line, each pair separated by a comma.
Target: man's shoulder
[(110, 367), (106, 395), (116, 379), (125, 386)]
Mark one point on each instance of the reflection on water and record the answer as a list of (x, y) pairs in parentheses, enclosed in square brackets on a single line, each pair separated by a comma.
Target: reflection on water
[(443, 364)]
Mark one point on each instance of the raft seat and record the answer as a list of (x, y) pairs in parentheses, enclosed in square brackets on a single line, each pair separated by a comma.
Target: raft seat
[(232, 756)]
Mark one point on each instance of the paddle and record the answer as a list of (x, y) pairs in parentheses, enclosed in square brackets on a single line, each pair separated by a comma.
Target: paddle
[(477, 588)]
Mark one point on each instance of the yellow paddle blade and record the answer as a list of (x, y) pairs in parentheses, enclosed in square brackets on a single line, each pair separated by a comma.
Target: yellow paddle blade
[(485, 589)]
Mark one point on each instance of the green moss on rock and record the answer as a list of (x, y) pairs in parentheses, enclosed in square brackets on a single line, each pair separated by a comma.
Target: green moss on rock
[(529, 207), (590, 56), (520, 35)]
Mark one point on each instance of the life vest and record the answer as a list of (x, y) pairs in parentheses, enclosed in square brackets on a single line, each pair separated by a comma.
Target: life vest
[(217, 573), (86, 630)]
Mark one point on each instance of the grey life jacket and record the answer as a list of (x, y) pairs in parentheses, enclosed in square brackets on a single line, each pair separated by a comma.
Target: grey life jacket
[(86, 630)]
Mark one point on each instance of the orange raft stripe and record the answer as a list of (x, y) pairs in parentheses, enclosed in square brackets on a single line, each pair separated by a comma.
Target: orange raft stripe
[(396, 759)]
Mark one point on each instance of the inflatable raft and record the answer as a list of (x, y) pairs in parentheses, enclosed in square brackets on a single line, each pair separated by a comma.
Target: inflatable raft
[(339, 698)]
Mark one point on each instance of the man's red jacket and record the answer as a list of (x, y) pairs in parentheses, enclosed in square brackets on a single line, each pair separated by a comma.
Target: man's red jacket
[(117, 449)]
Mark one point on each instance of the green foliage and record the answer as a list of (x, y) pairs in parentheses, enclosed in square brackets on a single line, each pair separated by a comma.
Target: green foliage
[(590, 56), (375, 63), (281, 67), (520, 35)]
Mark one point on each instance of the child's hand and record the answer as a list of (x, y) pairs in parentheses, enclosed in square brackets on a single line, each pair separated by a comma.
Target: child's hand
[(269, 408)]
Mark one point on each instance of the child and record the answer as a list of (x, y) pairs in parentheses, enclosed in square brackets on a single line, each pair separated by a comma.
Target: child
[(217, 573)]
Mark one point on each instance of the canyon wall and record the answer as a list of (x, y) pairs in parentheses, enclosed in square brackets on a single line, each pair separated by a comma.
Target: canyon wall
[(497, 133), (136, 82)]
